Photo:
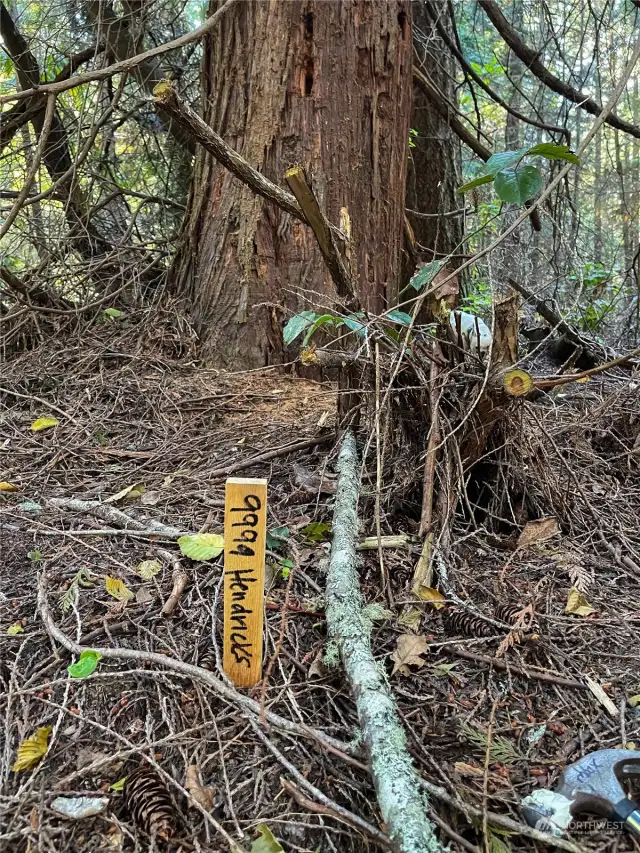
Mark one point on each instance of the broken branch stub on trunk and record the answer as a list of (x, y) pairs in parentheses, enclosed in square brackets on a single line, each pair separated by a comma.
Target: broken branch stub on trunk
[(320, 226)]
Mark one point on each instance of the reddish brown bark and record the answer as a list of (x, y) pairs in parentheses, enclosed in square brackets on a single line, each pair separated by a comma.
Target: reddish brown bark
[(434, 172), (323, 84)]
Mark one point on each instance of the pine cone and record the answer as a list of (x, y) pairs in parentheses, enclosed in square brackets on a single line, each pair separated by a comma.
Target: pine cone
[(207, 659), (465, 623), (149, 804), (508, 613)]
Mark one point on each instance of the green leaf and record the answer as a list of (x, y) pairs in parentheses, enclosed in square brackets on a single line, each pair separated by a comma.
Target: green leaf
[(553, 151), (119, 785), (503, 160), (34, 556), (476, 182), (113, 312), (276, 537), (297, 324), (316, 531), (496, 163), (425, 275), (267, 843), (518, 185), (85, 665), (353, 322), (319, 321), (286, 566), (12, 630), (201, 546), (496, 844), (399, 317)]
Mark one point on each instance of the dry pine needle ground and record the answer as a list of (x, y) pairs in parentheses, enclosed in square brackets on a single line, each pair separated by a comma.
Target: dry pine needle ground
[(131, 413)]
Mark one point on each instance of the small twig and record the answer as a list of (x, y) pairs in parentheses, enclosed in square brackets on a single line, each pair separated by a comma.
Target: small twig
[(620, 559), (585, 374), (386, 584), (625, 561), (180, 581), (35, 165), (279, 643), (134, 534), (118, 518), (312, 806), (46, 403), (485, 778), (225, 776), (452, 833), (268, 455), (249, 706), (499, 820), (426, 517), (516, 670), (339, 811), (400, 540), (125, 65)]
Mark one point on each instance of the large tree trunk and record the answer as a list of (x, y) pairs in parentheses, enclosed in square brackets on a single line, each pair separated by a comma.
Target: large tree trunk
[(323, 84), (434, 172)]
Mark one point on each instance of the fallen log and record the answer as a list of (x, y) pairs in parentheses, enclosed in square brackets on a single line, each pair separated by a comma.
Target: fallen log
[(397, 784)]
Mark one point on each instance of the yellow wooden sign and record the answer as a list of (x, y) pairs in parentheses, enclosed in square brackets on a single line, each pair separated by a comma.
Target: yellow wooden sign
[(245, 531)]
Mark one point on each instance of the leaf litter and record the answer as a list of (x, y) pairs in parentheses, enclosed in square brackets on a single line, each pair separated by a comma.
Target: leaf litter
[(171, 720)]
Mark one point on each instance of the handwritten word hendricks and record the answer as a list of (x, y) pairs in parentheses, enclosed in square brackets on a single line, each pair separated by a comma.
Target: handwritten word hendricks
[(240, 579)]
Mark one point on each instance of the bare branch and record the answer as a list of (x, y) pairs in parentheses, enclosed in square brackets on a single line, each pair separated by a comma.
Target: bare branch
[(438, 100), (42, 142), (125, 65), (444, 35), (120, 40), (531, 59), (297, 181), (167, 97)]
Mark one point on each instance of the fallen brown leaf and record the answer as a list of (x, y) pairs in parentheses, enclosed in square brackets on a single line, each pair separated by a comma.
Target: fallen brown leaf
[(409, 651), (538, 531), (318, 667), (202, 795)]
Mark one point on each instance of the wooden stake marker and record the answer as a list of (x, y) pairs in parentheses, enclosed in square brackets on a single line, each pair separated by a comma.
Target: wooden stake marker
[(245, 532)]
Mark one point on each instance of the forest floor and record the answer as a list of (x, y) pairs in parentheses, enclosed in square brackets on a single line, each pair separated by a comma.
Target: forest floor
[(488, 718)]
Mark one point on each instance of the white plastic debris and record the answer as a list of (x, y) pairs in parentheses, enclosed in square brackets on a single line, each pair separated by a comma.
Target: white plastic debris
[(548, 811), (470, 326), (78, 808)]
